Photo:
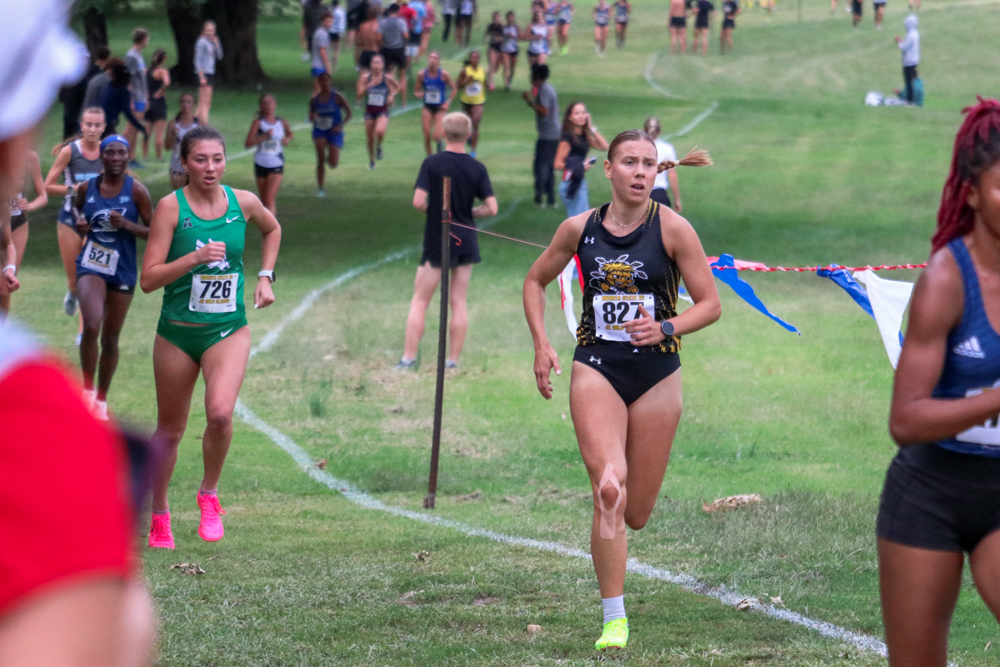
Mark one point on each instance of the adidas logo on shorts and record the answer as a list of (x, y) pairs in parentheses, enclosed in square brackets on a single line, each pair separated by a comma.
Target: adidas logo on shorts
[(970, 348)]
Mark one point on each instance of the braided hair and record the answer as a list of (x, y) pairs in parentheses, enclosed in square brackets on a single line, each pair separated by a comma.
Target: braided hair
[(977, 148)]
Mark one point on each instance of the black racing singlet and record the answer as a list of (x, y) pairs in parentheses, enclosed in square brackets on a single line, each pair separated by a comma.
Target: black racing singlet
[(621, 272)]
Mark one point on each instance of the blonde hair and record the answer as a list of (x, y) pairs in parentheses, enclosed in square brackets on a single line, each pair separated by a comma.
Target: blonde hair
[(457, 126), (652, 127)]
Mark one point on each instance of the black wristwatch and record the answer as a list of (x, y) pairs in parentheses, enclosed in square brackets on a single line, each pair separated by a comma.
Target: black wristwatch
[(667, 327)]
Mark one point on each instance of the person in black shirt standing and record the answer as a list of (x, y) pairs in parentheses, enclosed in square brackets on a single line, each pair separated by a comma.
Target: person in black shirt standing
[(469, 181), (72, 96), (730, 10), (701, 25)]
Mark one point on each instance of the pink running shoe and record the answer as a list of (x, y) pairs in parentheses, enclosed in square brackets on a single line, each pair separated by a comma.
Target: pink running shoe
[(210, 527), (160, 535)]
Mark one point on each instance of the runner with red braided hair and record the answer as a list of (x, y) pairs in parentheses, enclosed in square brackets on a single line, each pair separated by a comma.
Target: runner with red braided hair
[(942, 493)]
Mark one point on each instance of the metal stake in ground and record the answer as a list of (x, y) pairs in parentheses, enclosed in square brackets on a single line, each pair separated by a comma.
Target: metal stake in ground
[(442, 339)]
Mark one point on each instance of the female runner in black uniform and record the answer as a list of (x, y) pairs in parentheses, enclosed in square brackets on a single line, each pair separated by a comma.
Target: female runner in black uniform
[(380, 89), (625, 391), (157, 82), (942, 492), (495, 35)]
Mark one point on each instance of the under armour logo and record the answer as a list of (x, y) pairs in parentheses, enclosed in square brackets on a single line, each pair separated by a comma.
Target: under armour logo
[(588, 240), (595, 360)]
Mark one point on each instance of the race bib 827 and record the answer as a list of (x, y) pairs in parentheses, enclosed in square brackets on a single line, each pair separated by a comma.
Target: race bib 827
[(613, 311)]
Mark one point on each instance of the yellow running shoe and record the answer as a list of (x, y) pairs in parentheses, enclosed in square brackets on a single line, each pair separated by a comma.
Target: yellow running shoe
[(615, 635)]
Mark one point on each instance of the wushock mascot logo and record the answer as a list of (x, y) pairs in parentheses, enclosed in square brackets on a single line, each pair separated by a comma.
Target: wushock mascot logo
[(616, 275)]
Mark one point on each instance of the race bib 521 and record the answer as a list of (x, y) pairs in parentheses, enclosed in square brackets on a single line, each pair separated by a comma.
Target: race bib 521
[(99, 259), (987, 433)]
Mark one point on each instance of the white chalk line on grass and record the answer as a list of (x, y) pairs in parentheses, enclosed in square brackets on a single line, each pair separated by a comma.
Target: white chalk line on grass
[(687, 582), (649, 77), (353, 494), (295, 128)]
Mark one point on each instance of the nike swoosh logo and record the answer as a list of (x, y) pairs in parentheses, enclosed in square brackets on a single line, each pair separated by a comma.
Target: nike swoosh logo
[(228, 220), (226, 333)]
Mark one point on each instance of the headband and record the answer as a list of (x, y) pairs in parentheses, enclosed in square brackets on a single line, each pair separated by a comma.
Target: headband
[(114, 138)]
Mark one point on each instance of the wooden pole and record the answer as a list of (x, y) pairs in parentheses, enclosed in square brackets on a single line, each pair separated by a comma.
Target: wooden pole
[(442, 340)]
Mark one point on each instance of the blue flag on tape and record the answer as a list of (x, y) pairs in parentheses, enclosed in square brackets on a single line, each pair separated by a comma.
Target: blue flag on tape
[(850, 285), (743, 289)]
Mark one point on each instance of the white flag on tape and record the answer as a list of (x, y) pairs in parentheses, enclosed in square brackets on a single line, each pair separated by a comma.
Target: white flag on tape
[(888, 299)]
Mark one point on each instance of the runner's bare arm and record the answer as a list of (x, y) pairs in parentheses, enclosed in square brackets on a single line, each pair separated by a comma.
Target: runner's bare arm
[(252, 138), (452, 88), (35, 172), (935, 310), (545, 269), (487, 209), (345, 107), (156, 272), (289, 135), (140, 195), (52, 185), (684, 247), (171, 135), (418, 87), (258, 215), (420, 200)]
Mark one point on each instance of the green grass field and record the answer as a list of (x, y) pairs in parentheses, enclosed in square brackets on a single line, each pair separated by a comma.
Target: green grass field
[(804, 174)]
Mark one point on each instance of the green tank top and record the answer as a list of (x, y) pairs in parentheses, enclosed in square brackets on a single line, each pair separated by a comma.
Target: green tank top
[(209, 294)]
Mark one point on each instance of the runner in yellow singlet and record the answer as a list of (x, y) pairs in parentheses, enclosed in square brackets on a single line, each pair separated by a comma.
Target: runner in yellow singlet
[(472, 83)]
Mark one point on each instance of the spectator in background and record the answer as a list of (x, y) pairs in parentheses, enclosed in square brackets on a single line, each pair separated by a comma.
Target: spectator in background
[(356, 15), (96, 86), (545, 104), (62, 601), (137, 87), (207, 51), (448, 9), (157, 82), (336, 33), (394, 37), (321, 49), (73, 96), (910, 46), (311, 10), (116, 101)]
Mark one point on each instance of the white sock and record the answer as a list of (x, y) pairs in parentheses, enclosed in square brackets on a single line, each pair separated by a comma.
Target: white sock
[(614, 608)]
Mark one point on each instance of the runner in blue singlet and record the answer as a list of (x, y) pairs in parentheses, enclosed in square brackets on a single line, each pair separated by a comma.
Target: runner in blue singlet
[(329, 112), (437, 90), (108, 210)]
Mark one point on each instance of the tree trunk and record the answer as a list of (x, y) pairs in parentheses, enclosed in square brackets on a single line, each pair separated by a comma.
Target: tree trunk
[(236, 24), (185, 21), (95, 30)]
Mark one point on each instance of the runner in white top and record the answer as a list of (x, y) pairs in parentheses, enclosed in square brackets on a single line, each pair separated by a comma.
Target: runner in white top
[(176, 129), (664, 152), (270, 135), (537, 35)]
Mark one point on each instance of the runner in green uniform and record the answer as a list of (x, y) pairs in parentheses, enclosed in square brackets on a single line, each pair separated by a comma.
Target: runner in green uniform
[(195, 252)]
